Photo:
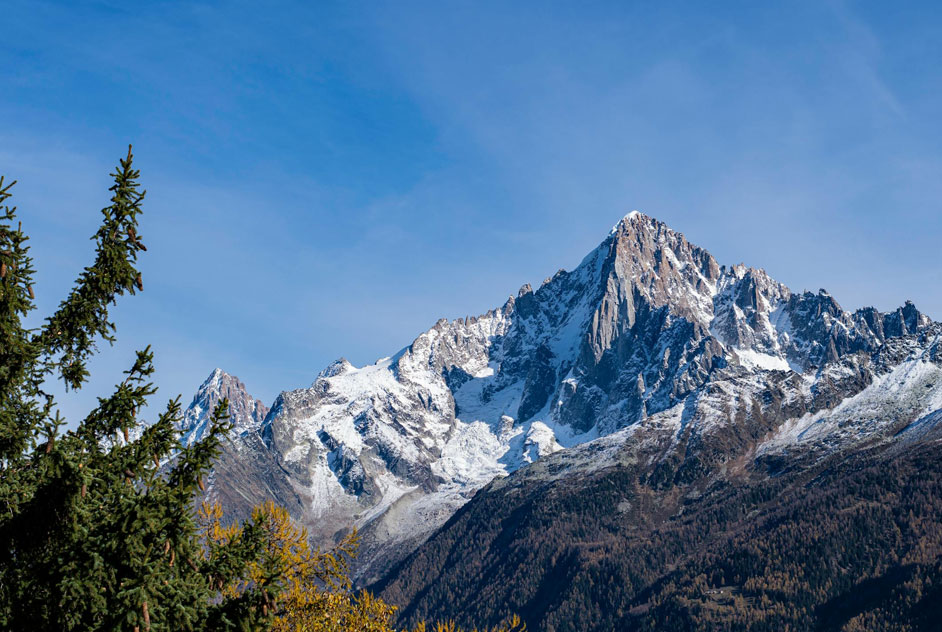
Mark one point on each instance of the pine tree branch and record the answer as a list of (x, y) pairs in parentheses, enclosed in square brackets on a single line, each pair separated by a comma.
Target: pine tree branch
[(69, 336)]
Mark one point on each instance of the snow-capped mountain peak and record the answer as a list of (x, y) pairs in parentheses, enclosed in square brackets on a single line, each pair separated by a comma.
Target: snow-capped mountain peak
[(647, 327), (245, 412)]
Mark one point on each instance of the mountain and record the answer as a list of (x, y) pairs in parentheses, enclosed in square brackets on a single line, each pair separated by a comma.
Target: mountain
[(750, 506), (650, 356), (246, 473), (245, 412)]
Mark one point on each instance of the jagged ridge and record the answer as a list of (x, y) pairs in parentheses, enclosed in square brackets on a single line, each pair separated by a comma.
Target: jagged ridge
[(647, 326)]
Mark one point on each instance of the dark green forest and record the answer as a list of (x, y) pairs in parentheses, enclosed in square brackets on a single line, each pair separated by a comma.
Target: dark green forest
[(848, 543)]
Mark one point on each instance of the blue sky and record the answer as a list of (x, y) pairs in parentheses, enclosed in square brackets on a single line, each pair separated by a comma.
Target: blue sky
[(329, 179)]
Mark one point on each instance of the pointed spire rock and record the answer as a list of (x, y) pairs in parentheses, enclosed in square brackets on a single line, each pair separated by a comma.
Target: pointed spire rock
[(246, 413)]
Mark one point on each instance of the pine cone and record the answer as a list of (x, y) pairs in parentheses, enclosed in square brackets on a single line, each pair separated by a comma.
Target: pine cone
[(140, 283)]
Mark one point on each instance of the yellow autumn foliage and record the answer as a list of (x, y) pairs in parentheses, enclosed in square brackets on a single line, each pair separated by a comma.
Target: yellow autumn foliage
[(316, 593)]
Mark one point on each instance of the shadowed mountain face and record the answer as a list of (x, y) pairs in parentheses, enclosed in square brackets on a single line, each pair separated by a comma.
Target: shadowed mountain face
[(649, 340), (593, 538)]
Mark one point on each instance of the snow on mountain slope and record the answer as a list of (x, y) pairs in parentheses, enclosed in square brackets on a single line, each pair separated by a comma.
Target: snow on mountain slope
[(245, 412), (649, 338), (899, 394)]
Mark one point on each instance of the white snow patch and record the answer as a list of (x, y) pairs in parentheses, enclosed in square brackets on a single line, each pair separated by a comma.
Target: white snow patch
[(471, 455), (767, 362)]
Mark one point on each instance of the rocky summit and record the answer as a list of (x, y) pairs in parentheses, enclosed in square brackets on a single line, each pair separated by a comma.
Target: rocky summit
[(701, 369)]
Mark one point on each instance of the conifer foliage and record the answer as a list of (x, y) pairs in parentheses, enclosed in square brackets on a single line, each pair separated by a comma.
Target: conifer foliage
[(97, 529)]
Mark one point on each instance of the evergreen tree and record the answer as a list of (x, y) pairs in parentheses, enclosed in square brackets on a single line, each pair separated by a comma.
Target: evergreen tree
[(97, 528)]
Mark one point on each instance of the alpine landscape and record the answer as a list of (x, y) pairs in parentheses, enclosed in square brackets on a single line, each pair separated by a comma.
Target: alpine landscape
[(650, 437), (365, 337)]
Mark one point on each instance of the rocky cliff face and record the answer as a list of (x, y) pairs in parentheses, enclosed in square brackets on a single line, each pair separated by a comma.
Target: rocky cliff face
[(648, 329), (246, 472), (780, 503), (246, 413)]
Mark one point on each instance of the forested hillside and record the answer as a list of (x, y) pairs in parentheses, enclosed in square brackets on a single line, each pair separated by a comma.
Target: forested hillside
[(850, 543)]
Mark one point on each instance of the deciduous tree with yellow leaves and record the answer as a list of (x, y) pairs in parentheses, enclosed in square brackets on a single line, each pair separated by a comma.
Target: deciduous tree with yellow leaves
[(315, 593)]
